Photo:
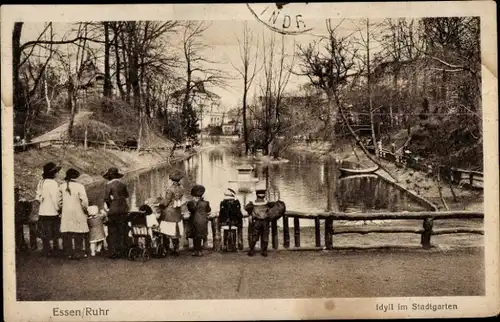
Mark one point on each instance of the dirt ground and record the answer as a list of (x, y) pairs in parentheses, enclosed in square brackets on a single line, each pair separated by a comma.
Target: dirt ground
[(236, 276)]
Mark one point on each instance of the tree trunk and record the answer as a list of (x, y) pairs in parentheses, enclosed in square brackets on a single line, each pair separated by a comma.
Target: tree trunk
[(46, 93), (107, 77), (360, 143), (118, 68), (16, 60), (71, 107), (370, 100), (245, 128)]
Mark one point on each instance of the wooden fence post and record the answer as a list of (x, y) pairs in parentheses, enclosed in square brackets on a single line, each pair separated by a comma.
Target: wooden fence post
[(216, 234), (296, 228), (274, 233), (286, 233), (249, 236), (328, 233), (425, 238), (317, 232), (186, 240)]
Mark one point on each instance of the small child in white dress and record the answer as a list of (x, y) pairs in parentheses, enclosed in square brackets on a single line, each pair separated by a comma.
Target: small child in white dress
[(96, 230)]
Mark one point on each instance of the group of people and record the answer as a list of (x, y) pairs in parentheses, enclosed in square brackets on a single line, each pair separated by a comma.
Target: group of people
[(63, 211)]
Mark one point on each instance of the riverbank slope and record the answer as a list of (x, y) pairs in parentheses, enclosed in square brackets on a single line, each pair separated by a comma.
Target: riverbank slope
[(416, 181), (92, 163)]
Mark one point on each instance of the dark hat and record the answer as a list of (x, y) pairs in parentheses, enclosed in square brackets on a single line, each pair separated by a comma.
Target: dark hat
[(197, 191), (72, 174), (112, 173), (50, 168), (176, 176), (260, 192)]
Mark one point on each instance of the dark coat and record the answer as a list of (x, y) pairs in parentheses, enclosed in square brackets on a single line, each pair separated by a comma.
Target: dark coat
[(257, 209), (230, 213), (116, 196), (271, 210), (198, 219)]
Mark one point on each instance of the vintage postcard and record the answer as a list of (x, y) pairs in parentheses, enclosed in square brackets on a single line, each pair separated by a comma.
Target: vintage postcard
[(257, 161)]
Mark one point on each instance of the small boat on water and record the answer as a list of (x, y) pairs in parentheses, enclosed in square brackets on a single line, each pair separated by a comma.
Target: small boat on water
[(358, 176), (350, 172)]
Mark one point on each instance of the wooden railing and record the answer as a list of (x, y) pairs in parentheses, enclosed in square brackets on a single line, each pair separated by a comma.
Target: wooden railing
[(426, 231), (452, 175), (101, 144)]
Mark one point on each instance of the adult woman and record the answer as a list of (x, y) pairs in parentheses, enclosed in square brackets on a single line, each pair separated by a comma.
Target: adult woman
[(116, 196), (74, 215), (171, 216), (49, 197)]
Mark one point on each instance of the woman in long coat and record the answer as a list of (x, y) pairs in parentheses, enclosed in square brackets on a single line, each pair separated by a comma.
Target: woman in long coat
[(171, 212), (200, 210), (74, 224)]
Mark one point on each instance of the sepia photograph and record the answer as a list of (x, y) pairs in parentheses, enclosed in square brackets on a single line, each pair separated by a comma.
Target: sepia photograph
[(184, 157)]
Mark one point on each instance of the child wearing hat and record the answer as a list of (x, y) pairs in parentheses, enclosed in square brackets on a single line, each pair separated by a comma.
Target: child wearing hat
[(171, 215), (230, 214), (200, 211), (49, 199), (258, 212)]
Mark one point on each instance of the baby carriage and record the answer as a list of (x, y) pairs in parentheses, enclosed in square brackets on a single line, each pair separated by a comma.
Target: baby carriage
[(146, 242)]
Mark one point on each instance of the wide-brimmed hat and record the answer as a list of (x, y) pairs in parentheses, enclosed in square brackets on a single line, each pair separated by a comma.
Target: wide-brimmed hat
[(230, 193), (176, 175), (198, 190), (51, 168), (72, 174), (112, 173)]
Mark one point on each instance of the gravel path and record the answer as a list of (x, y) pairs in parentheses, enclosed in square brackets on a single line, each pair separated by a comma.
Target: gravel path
[(284, 274)]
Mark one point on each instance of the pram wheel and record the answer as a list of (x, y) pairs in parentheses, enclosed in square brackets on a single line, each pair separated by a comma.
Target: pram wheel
[(145, 256), (133, 253), (161, 251)]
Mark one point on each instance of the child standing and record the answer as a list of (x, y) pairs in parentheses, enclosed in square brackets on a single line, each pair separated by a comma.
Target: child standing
[(230, 216), (199, 213), (171, 218), (96, 230), (258, 212)]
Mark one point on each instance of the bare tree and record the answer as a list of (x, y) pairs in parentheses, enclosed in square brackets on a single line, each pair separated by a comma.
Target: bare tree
[(199, 72), (328, 68), (248, 70), (367, 36), (277, 68)]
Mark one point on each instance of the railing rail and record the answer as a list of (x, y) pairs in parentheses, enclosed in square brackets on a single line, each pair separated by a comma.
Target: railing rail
[(450, 174), (426, 231), (107, 145)]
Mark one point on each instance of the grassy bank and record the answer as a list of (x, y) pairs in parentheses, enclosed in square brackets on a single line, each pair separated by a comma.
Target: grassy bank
[(92, 163), (416, 181)]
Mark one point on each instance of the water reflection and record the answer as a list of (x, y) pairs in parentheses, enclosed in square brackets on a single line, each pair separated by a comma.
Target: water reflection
[(307, 183)]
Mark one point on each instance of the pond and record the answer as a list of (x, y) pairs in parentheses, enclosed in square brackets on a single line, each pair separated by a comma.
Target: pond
[(307, 183)]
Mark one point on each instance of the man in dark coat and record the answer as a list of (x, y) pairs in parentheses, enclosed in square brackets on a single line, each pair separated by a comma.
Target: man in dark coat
[(116, 195)]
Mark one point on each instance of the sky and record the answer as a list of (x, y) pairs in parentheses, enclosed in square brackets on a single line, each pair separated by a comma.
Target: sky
[(222, 38)]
